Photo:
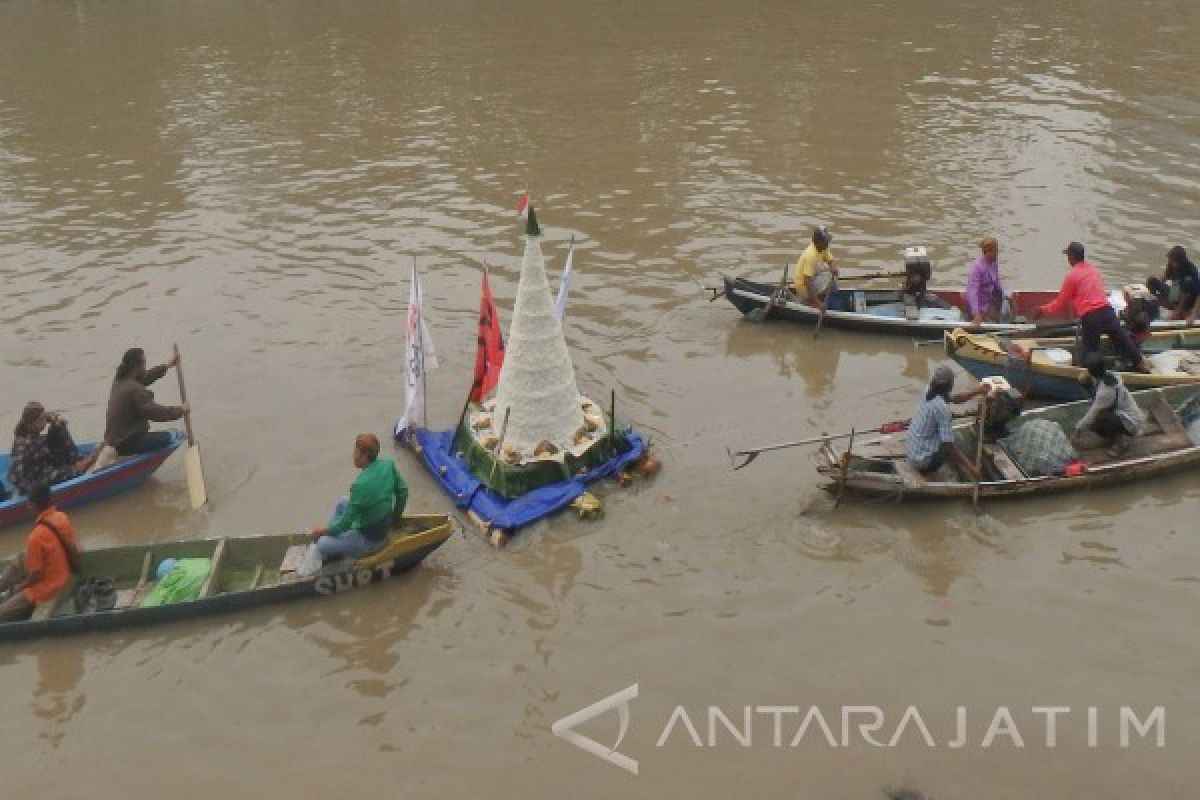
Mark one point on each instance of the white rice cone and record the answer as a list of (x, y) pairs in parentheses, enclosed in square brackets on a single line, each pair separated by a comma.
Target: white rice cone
[(537, 382)]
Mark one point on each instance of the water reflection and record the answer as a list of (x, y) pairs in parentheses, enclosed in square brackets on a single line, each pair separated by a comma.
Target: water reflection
[(360, 632), (56, 700)]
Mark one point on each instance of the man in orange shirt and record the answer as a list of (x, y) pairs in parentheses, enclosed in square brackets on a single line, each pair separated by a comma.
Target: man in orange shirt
[(1083, 294), (48, 561)]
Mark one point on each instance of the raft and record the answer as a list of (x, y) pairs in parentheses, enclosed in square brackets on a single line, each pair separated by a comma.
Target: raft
[(496, 512), (1044, 367), (246, 572), (120, 477), (1169, 443)]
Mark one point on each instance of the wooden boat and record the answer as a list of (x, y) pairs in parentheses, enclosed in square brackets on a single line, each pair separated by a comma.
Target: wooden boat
[(1168, 443), (122, 476), (1044, 366), (879, 310), (885, 310), (246, 572)]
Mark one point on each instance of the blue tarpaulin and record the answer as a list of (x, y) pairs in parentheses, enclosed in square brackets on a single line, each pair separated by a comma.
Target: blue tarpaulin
[(469, 493)]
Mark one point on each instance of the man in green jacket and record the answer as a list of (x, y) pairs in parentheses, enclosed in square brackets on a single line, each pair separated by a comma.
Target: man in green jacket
[(362, 520)]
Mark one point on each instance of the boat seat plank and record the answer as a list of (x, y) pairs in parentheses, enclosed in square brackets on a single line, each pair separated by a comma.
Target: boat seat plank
[(1157, 409), (1004, 463), (211, 582), (909, 474), (293, 558)]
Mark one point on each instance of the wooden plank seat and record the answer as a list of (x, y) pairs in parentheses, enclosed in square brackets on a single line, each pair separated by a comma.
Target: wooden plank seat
[(218, 562), (909, 474), (293, 557), (1006, 467)]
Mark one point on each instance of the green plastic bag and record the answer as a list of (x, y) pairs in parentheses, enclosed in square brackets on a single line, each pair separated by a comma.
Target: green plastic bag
[(182, 583)]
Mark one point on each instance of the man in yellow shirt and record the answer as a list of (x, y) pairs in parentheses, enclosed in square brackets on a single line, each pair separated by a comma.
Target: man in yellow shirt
[(815, 273)]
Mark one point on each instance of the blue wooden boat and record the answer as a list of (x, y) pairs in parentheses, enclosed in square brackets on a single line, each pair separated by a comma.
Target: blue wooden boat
[(122, 476)]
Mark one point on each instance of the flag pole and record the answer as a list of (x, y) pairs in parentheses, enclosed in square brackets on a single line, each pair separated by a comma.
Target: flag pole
[(462, 415), (421, 343)]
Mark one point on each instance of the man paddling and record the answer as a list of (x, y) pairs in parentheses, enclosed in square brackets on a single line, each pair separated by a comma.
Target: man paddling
[(930, 442), (816, 275), (131, 406), (1083, 294)]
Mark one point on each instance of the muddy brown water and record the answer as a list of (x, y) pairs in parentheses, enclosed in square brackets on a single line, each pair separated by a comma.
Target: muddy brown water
[(252, 180)]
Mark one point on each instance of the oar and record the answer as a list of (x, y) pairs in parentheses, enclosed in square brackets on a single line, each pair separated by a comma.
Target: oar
[(1036, 332), (753, 453), (979, 452), (837, 498), (870, 276), (191, 457), (821, 317), (896, 426)]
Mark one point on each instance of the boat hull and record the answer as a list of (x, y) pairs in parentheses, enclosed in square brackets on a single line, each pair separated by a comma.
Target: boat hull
[(403, 552), (880, 469), (747, 296), (121, 477), (984, 356)]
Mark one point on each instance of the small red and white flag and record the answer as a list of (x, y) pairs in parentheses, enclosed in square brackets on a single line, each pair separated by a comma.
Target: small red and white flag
[(523, 205)]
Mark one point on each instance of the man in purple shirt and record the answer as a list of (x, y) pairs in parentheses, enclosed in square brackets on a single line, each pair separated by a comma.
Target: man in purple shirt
[(985, 294)]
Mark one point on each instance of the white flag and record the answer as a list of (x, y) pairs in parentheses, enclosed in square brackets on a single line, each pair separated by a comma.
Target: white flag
[(560, 303), (420, 356)]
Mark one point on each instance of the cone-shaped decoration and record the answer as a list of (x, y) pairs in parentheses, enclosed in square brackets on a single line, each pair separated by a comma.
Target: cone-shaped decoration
[(537, 382)]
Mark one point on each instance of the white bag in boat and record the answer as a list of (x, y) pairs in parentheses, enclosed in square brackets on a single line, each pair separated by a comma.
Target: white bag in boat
[(311, 564)]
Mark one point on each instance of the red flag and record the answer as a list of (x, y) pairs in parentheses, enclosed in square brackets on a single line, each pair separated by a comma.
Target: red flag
[(523, 205), (489, 354)]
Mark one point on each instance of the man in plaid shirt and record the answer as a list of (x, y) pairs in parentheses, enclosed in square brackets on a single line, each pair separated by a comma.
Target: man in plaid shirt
[(930, 442)]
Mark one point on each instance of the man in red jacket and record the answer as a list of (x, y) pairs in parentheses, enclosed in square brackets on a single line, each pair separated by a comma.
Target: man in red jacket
[(1084, 295)]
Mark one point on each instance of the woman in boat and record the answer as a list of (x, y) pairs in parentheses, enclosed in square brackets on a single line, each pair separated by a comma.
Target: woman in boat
[(1114, 416), (362, 520), (985, 294), (43, 450), (51, 556), (930, 442), (131, 407), (1179, 287)]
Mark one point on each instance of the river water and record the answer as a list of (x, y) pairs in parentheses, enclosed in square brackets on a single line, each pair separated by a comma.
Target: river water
[(253, 181)]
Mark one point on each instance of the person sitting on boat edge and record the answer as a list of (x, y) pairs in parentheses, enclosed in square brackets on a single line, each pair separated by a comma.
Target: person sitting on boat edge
[(131, 407), (930, 441), (362, 520), (1114, 416), (51, 557), (984, 295), (43, 450), (1083, 293), (1179, 287), (816, 275)]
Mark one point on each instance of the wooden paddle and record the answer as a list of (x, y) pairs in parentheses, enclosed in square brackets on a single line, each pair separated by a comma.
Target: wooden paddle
[(191, 457), (979, 451), (887, 428), (845, 476)]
